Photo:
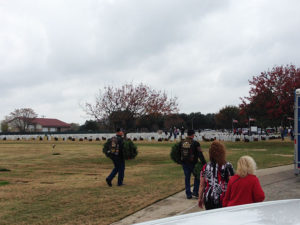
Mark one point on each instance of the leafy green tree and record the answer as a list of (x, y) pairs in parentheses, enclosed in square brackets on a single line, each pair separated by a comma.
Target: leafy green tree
[(151, 122), (4, 126), (224, 118), (90, 125), (74, 127)]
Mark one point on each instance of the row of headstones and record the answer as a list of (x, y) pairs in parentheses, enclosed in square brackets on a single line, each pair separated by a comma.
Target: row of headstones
[(141, 137), (64, 137), (234, 138), (89, 137)]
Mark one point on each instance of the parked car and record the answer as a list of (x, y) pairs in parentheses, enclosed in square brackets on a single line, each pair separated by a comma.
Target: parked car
[(282, 212)]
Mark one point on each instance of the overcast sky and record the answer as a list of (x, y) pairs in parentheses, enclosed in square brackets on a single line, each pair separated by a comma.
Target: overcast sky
[(56, 54)]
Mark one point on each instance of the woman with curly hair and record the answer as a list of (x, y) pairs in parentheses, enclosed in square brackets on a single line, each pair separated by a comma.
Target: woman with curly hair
[(215, 176), (244, 187)]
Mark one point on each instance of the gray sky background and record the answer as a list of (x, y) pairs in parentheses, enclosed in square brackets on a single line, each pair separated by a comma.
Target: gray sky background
[(56, 55)]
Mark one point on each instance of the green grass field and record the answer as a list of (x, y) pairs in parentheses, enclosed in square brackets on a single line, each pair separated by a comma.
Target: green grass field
[(68, 187)]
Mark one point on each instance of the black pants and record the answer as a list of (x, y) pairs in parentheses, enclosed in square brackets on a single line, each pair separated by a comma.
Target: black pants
[(211, 205), (119, 168)]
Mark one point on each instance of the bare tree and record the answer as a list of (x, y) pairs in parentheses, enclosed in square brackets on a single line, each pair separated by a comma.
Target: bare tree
[(21, 118), (129, 102)]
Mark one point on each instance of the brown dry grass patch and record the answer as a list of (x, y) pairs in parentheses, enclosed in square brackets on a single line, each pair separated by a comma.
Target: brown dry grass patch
[(70, 188)]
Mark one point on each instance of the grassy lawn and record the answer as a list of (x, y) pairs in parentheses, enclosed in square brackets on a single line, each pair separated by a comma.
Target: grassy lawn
[(37, 187)]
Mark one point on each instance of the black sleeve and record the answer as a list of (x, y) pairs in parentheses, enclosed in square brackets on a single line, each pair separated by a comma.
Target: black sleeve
[(202, 159), (121, 143), (121, 147), (200, 154)]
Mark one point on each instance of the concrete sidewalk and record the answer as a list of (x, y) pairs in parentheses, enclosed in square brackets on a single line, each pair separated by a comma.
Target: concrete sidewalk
[(178, 204)]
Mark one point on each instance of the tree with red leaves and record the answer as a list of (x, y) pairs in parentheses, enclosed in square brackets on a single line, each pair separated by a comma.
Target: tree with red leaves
[(271, 99), (122, 105)]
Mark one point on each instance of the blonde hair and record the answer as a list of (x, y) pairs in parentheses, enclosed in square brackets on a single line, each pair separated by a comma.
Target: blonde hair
[(246, 165)]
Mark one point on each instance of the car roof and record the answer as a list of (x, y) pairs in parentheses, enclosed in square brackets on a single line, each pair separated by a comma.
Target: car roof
[(282, 212)]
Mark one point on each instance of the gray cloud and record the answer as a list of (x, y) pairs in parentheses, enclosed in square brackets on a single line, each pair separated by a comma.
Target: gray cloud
[(57, 54)]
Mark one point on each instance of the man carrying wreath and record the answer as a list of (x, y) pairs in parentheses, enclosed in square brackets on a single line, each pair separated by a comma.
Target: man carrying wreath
[(116, 154), (190, 151)]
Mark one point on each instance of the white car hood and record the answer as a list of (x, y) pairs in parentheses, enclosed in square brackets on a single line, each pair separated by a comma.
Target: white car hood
[(283, 212)]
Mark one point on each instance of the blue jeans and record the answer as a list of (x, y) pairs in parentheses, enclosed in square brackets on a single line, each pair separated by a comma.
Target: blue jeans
[(188, 170), (119, 168)]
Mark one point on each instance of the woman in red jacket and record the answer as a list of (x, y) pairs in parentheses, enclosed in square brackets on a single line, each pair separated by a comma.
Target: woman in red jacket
[(244, 187)]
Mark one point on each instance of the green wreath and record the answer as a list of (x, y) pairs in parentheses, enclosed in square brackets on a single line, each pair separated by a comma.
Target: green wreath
[(129, 150), (197, 169), (175, 153), (176, 157)]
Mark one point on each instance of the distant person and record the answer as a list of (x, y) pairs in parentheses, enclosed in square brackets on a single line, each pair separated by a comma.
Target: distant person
[(281, 129), (292, 134), (182, 131), (244, 187), (166, 132), (117, 147), (234, 131), (190, 151), (215, 176), (171, 132), (175, 132)]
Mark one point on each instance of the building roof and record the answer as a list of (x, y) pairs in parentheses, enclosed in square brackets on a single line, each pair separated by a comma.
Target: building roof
[(46, 122)]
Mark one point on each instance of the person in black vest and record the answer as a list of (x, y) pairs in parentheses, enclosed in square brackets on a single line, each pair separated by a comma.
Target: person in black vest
[(118, 159), (190, 152)]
